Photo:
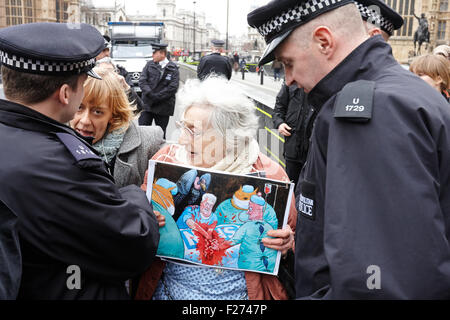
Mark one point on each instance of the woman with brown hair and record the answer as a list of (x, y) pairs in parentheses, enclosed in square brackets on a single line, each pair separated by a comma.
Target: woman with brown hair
[(434, 70)]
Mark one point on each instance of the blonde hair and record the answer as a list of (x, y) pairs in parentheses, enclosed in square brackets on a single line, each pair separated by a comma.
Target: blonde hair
[(434, 66), (109, 91)]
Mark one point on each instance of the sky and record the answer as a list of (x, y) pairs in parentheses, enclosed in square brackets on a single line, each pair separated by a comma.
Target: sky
[(215, 11)]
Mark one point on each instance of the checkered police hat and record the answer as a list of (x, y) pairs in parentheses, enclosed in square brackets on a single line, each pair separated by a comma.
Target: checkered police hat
[(56, 49), (276, 20), (380, 14)]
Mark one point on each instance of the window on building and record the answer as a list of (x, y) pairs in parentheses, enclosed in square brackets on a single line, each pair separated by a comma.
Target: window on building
[(62, 7), (441, 30), (443, 5), (18, 12)]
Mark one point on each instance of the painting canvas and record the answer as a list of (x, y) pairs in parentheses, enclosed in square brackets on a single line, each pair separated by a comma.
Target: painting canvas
[(217, 219)]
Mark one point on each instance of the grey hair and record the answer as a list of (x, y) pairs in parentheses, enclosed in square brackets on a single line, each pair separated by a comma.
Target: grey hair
[(233, 114)]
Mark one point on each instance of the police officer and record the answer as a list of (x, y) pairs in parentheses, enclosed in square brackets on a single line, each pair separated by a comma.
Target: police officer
[(80, 236), (294, 118), (379, 18), (374, 195), (215, 62), (159, 83)]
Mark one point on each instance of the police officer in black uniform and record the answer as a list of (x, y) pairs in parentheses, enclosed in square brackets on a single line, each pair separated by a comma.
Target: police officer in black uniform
[(374, 195), (159, 83), (215, 62), (292, 117), (379, 18), (80, 236)]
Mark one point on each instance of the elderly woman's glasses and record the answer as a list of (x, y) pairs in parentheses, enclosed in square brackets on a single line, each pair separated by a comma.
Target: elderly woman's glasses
[(181, 125)]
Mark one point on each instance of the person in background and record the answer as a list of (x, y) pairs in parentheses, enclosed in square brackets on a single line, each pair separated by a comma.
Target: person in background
[(379, 18), (133, 97), (434, 70), (105, 116), (218, 130), (215, 62), (293, 118), (106, 51), (159, 83), (277, 66), (443, 50)]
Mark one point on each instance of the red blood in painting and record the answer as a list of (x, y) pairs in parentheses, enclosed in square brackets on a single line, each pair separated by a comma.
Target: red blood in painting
[(212, 250)]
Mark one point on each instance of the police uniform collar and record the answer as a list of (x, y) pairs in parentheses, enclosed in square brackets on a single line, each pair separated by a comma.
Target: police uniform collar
[(69, 50), (379, 14), (277, 19), (23, 117), (357, 65)]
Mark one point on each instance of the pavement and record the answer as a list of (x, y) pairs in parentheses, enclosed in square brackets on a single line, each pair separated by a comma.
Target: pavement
[(264, 93)]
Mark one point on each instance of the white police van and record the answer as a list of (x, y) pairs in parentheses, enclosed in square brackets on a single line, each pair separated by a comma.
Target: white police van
[(131, 46)]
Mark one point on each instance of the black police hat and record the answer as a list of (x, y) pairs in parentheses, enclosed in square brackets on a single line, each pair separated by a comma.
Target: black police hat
[(158, 46), (107, 41), (218, 43), (277, 19), (56, 49), (380, 14)]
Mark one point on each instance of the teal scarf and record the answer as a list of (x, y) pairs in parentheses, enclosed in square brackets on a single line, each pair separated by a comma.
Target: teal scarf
[(109, 145)]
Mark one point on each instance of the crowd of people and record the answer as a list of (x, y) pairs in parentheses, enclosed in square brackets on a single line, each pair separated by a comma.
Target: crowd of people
[(367, 144)]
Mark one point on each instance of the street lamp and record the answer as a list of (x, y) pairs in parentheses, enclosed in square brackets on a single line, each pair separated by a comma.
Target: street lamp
[(228, 10), (194, 29), (184, 21)]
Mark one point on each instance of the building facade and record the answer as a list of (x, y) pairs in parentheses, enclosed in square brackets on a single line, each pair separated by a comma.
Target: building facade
[(100, 16), (13, 12), (183, 29), (437, 12)]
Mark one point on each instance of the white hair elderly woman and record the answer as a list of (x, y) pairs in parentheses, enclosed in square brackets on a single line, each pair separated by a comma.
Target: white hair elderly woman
[(218, 128)]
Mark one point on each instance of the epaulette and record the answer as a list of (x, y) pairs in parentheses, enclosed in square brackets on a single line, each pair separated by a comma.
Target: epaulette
[(354, 102), (78, 149)]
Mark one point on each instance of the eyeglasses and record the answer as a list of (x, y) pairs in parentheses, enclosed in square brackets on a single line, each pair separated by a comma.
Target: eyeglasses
[(181, 125)]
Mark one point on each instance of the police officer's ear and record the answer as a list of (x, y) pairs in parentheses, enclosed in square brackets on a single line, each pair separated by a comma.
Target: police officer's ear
[(374, 32), (324, 41), (63, 94)]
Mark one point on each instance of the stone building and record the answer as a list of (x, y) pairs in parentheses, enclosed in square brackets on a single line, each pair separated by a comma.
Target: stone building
[(179, 27), (437, 13), (99, 16), (14, 12)]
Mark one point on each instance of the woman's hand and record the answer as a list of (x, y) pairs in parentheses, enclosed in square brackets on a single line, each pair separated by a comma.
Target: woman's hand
[(283, 239), (160, 218), (144, 184)]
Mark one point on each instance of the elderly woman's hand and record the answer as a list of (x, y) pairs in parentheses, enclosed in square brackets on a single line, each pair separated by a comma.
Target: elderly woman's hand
[(283, 239), (160, 218)]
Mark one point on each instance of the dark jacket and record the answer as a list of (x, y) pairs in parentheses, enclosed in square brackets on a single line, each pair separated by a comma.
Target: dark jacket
[(292, 108), (214, 63), (159, 87), (10, 256), (70, 211), (374, 209)]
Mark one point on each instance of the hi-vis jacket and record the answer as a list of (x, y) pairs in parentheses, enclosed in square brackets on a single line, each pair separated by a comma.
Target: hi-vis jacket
[(374, 202), (80, 236)]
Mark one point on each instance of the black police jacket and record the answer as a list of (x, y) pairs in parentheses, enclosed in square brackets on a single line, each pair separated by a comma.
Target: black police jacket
[(10, 256), (81, 237), (374, 202), (214, 63), (292, 108), (159, 87)]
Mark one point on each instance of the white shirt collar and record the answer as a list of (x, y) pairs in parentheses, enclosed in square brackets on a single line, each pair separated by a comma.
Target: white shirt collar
[(164, 63)]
